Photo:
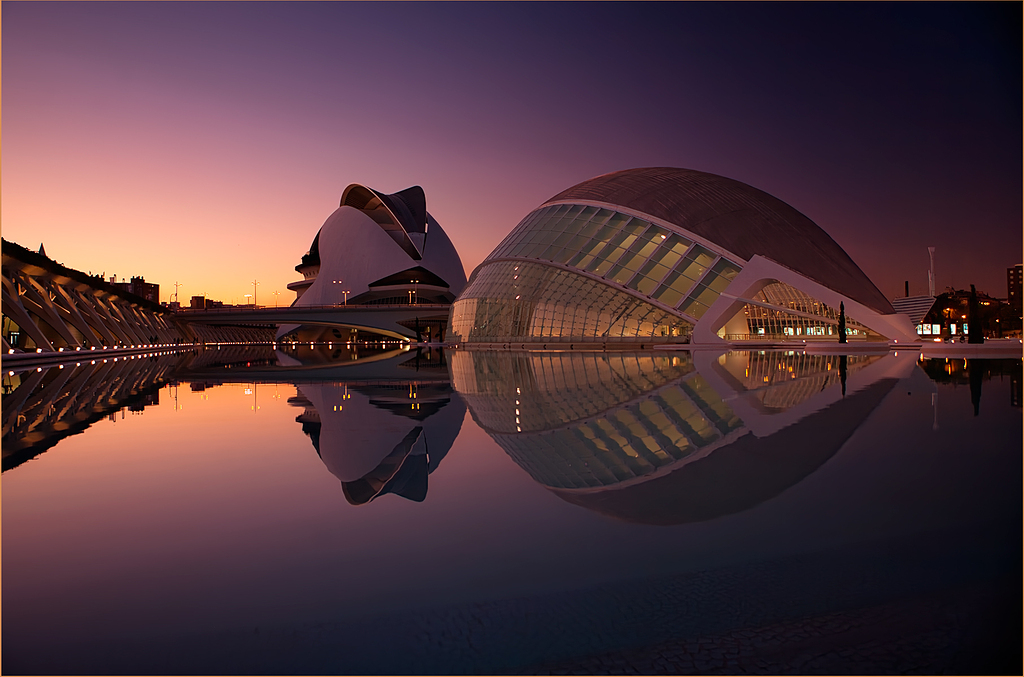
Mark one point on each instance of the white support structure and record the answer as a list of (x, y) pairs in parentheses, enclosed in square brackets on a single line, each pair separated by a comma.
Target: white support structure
[(50, 308), (761, 271)]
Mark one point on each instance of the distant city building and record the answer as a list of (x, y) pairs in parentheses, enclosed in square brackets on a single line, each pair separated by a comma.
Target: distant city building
[(379, 249), (669, 255), (202, 303), (1014, 284), (949, 314), (139, 287)]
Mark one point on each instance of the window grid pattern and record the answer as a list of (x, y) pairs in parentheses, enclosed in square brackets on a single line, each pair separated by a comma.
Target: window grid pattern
[(525, 301), (533, 391), (777, 322), (620, 248), (627, 442)]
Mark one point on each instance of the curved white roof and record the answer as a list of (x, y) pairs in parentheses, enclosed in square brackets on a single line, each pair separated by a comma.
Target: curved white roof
[(357, 246)]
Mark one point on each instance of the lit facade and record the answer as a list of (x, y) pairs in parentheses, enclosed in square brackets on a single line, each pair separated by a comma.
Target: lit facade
[(1015, 286), (669, 255), (379, 249)]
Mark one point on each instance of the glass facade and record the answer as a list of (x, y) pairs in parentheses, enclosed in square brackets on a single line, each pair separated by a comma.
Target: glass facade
[(524, 301), (643, 257), (775, 322)]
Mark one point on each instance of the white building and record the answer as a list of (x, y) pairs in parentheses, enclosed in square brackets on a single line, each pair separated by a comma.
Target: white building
[(669, 255), (379, 249)]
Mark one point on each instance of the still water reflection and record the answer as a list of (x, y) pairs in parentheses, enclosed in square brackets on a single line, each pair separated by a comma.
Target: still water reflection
[(591, 504)]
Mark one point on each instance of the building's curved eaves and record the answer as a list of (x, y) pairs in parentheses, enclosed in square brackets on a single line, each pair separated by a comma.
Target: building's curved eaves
[(737, 217), (404, 214)]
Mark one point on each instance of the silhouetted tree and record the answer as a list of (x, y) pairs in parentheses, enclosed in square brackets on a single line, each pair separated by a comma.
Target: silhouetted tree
[(842, 323), (974, 331), (842, 372)]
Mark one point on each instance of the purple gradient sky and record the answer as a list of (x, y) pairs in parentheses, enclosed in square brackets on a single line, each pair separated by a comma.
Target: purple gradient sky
[(206, 143)]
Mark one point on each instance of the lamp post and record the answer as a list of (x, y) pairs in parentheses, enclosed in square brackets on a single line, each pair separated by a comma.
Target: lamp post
[(276, 294), (247, 297), (254, 285), (346, 292)]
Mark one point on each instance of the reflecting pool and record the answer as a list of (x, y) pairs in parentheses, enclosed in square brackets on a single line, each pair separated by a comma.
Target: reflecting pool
[(329, 509)]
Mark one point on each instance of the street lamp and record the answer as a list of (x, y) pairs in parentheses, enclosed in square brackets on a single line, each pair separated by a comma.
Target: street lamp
[(276, 294), (254, 284), (247, 297), (346, 292)]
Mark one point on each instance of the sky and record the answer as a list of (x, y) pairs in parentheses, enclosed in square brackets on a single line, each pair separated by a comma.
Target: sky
[(205, 143)]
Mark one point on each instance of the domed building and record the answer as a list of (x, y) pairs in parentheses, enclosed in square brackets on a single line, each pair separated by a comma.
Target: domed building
[(669, 255), (378, 248)]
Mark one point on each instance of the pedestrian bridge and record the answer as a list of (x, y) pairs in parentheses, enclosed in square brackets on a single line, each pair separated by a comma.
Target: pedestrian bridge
[(398, 321)]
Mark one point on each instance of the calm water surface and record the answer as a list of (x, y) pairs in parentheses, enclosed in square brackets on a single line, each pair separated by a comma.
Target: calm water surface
[(246, 511)]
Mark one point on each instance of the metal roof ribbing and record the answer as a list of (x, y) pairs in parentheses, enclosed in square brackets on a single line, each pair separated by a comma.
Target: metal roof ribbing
[(914, 306), (740, 218)]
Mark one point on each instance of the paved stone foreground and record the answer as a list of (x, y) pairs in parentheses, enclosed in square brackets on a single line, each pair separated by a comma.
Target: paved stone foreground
[(924, 606), (936, 634)]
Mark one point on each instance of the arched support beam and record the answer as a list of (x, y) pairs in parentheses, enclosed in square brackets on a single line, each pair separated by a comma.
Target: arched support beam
[(760, 271)]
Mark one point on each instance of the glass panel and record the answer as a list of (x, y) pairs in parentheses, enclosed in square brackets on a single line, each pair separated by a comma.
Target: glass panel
[(550, 251), (644, 285), (668, 295), (726, 269), (619, 274), (678, 285), (706, 295), (694, 308), (563, 238), (553, 304), (717, 282)]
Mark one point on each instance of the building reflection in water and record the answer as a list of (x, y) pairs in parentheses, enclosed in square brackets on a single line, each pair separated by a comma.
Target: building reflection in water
[(380, 437), (381, 421), (384, 429), (43, 405), (380, 417), (671, 438)]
